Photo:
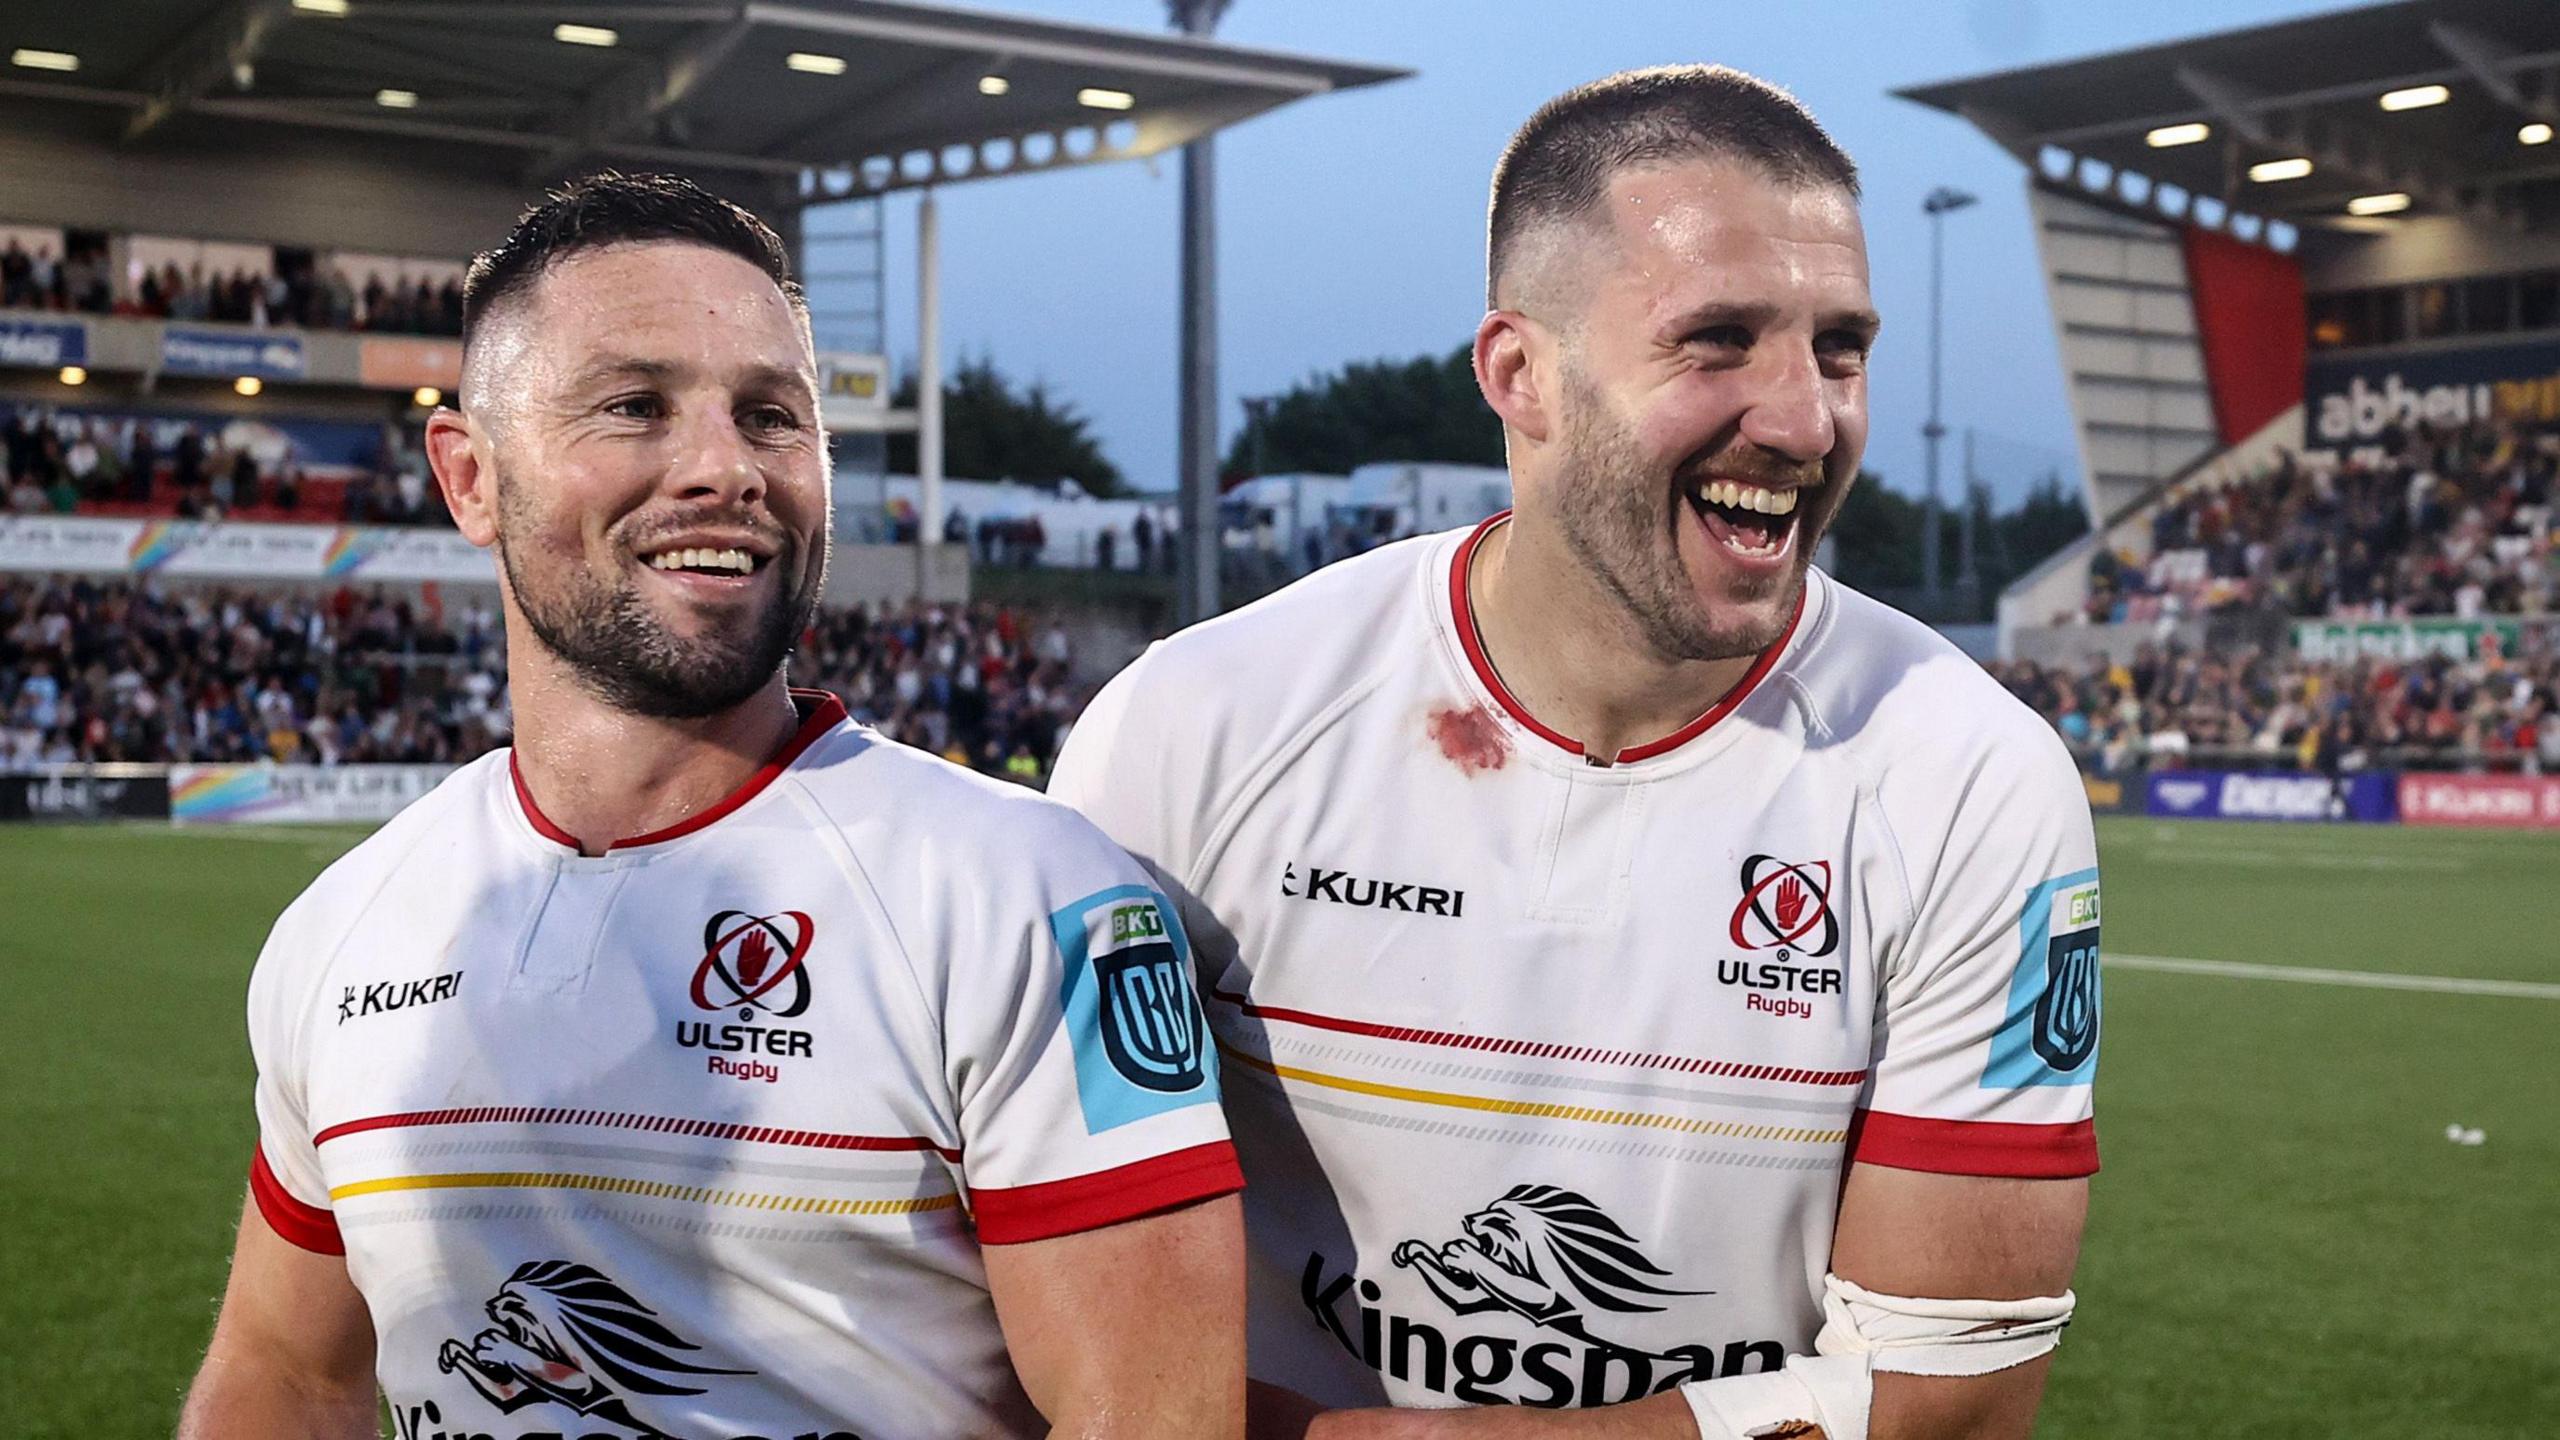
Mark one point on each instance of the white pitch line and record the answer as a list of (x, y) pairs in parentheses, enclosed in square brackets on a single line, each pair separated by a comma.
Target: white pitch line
[(2367, 979)]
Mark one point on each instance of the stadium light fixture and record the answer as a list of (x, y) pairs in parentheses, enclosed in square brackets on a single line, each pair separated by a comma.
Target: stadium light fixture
[(2291, 168), (248, 385), (322, 7), (2169, 136), (2416, 97), (396, 99), (74, 375), (993, 85), (427, 396), (2536, 133), (1095, 98), (809, 62), (61, 60), (2391, 204), (596, 35)]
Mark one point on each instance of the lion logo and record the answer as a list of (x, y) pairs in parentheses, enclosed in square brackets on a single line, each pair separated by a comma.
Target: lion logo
[(1548, 1255), (567, 1335)]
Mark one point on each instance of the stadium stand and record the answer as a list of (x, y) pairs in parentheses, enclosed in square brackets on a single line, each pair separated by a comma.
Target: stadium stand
[(2429, 521), (124, 672), (2172, 706), (292, 288), (68, 462)]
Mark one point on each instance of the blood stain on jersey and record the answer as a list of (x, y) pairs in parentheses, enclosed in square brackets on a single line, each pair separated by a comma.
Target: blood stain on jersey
[(1470, 738)]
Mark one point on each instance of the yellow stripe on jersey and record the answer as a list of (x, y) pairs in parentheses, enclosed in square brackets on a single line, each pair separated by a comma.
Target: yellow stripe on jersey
[(652, 1189), (1542, 1109)]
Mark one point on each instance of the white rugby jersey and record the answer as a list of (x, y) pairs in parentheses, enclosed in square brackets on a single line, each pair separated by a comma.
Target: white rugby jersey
[(700, 1137), (1546, 1072)]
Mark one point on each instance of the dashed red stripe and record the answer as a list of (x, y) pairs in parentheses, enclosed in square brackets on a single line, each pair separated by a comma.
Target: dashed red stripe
[(1545, 1050), (623, 1120)]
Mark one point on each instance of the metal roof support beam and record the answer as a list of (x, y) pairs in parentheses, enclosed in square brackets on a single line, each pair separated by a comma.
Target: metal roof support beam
[(1023, 43), (2493, 63), (633, 99), (2342, 146), (203, 58)]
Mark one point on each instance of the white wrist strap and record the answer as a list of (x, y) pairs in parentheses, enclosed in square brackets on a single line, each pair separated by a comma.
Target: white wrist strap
[(1864, 1332)]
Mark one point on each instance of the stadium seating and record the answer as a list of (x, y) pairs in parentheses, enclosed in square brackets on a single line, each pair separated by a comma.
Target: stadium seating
[(288, 294), (2430, 522), (119, 672), (2252, 708), (132, 466)]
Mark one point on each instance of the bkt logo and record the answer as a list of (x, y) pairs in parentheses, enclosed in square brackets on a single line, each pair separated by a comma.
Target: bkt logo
[(1343, 888), (1152, 1028)]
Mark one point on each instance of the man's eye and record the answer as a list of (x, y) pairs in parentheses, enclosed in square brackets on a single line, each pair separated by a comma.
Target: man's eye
[(637, 407), (1843, 342), (773, 418), (1723, 337)]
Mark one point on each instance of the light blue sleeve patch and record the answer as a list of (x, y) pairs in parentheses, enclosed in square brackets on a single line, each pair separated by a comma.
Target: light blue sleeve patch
[(1141, 1043), (2049, 1033)]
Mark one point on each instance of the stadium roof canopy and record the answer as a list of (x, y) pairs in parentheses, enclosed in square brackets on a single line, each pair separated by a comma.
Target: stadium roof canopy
[(824, 98), (2199, 114)]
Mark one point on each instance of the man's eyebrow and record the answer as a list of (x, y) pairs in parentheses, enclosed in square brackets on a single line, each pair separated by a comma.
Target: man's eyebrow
[(1863, 323), (1751, 315), (761, 377)]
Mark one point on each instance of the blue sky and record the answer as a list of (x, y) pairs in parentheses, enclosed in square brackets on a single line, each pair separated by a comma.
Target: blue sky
[(1350, 226)]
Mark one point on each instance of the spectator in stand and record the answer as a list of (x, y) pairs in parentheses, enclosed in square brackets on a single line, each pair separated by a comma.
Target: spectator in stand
[(1143, 531)]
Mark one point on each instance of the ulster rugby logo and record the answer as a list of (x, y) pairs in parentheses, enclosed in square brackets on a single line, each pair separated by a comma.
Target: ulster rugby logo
[(1786, 906), (754, 960)]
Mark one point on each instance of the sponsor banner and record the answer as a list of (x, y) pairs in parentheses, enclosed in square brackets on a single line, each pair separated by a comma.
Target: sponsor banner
[(226, 794), (81, 545), (853, 390), (408, 364), (2270, 795), (2346, 641), (43, 344), (2351, 400), (2522, 802), (85, 792), (217, 352)]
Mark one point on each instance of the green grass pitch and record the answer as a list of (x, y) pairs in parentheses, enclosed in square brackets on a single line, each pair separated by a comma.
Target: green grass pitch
[(2284, 1243)]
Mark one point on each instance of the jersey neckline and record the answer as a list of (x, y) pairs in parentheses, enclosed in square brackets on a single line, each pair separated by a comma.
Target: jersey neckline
[(1462, 613), (820, 712)]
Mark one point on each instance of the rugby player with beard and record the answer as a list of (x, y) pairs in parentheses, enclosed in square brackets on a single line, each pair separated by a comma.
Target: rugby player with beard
[(792, 1113), (1654, 979)]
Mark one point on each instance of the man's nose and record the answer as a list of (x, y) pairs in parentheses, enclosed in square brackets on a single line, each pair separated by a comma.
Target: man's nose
[(714, 461), (1788, 411)]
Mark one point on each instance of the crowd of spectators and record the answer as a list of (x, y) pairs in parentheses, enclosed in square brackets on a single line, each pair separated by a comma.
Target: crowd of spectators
[(294, 291), (2170, 705), (2429, 521), (116, 671), (66, 462)]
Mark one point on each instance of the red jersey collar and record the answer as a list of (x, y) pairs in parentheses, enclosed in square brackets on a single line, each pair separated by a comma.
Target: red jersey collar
[(820, 712), (1462, 610)]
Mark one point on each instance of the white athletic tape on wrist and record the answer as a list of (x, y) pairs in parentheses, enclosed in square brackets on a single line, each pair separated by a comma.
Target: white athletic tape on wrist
[(1864, 1332)]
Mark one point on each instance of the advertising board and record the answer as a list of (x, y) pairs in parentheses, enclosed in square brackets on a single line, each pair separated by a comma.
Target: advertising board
[(2517, 802), (2269, 795), (268, 794)]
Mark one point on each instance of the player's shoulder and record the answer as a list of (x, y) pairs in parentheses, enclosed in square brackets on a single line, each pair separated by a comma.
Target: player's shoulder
[(310, 931), (898, 807), (1303, 644), (1902, 698)]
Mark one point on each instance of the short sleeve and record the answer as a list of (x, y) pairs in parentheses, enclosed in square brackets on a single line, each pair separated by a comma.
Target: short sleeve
[(1986, 1049), (284, 1173), (1119, 766), (1088, 1092)]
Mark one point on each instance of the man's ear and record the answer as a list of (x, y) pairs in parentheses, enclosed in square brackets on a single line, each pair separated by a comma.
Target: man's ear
[(1514, 358), (458, 452)]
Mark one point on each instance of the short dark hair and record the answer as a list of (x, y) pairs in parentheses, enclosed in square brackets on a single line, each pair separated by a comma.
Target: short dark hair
[(1560, 163), (614, 209)]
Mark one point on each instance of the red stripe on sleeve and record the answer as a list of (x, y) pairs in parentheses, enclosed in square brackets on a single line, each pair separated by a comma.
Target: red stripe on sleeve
[(1052, 1208), (308, 1226), (1974, 1147)]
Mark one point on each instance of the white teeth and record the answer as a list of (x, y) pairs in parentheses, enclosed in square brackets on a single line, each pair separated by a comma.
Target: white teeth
[(1746, 497), (738, 561)]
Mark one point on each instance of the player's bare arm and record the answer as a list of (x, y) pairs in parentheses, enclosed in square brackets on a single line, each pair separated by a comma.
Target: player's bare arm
[(292, 1354), (1131, 1330)]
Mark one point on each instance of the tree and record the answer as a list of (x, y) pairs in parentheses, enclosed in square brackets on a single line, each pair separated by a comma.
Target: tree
[(992, 432), (1420, 409)]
